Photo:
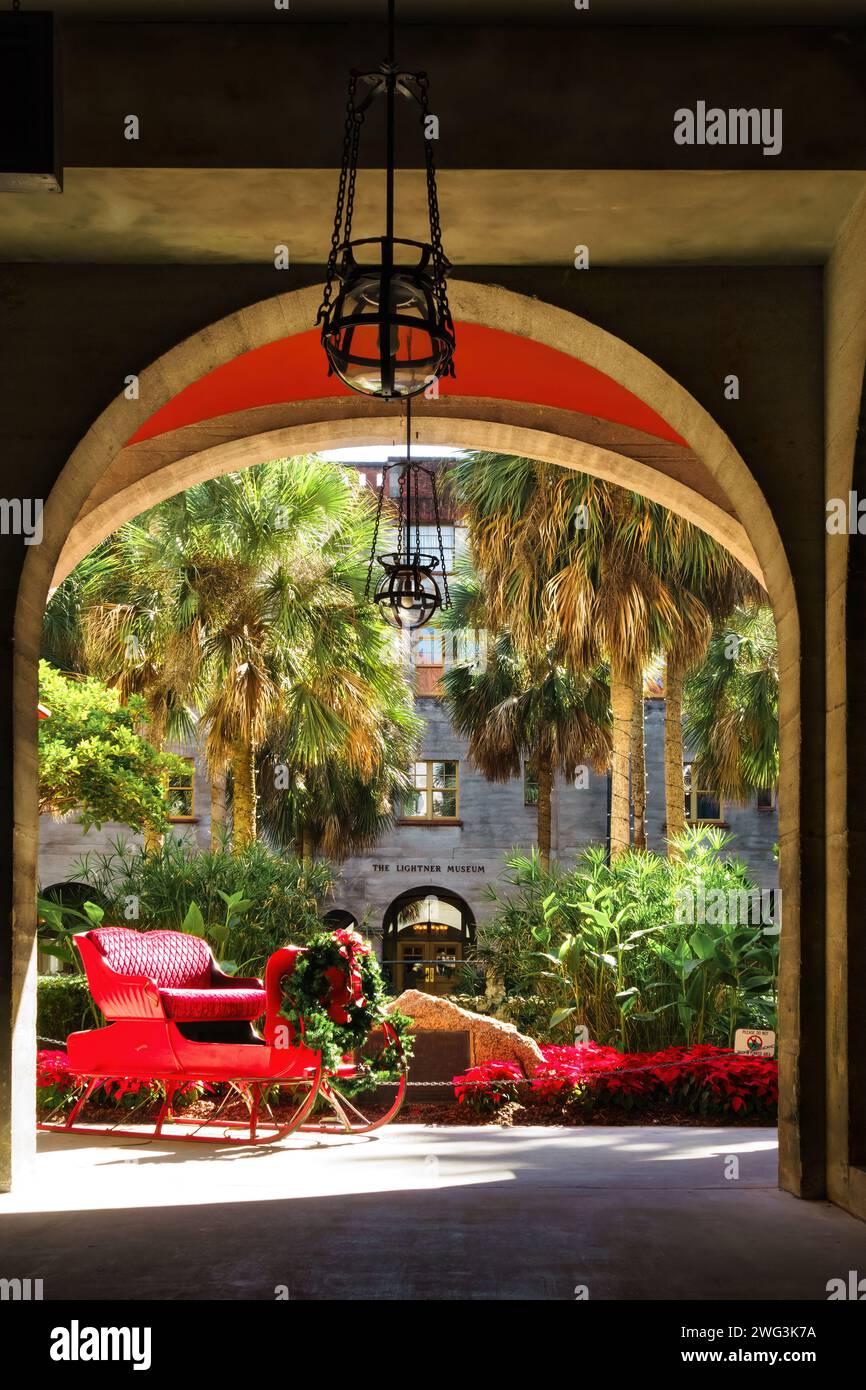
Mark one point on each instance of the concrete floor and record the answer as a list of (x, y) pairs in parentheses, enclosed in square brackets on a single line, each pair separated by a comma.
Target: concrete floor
[(426, 1213)]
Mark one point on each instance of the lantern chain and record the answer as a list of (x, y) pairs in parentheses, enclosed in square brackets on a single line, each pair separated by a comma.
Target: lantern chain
[(369, 584), (402, 517), (445, 594), (415, 479), (358, 121), (345, 194), (440, 261)]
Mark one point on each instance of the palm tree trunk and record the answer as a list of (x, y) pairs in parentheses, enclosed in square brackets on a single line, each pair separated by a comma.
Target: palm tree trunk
[(217, 810), (544, 773), (675, 806), (154, 732), (244, 783), (622, 704), (638, 765), (308, 843)]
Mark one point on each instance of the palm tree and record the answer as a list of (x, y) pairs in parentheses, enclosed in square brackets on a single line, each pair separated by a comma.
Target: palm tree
[(574, 564), (638, 765), (732, 706), (522, 708), (648, 580), (240, 597), (333, 803), (514, 711), (709, 583), (561, 571), (607, 583), (62, 630), (288, 643)]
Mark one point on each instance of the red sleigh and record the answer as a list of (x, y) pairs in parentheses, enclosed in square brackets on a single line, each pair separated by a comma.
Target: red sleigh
[(175, 1017)]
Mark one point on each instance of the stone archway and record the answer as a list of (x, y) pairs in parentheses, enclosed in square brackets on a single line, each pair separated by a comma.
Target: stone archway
[(746, 521), (456, 936), (173, 470)]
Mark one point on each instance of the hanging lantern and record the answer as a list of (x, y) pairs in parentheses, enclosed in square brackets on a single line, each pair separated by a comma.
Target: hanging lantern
[(388, 332), (409, 590)]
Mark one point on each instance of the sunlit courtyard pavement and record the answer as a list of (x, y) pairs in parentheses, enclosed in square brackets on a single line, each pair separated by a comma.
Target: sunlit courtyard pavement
[(423, 1212)]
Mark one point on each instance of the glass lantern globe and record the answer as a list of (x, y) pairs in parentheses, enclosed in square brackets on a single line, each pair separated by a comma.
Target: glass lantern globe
[(385, 336), (407, 590)]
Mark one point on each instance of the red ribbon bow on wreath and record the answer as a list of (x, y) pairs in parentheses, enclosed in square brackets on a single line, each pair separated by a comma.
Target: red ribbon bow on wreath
[(345, 982)]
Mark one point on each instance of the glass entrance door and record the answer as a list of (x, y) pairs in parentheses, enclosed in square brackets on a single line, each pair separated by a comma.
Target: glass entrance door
[(428, 965)]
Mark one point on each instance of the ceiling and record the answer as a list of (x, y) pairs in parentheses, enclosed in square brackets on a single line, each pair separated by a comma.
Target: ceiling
[(490, 217), (751, 12)]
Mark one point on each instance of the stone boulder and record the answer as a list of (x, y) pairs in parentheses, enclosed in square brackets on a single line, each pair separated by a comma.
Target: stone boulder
[(490, 1040)]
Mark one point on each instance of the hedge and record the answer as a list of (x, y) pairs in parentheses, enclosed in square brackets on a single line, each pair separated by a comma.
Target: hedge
[(62, 1007)]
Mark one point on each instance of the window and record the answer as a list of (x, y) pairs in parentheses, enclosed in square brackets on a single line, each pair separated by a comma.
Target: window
[(429, 660), (430, 648), (430, 544), (702, 803), (530, 785), (766, 799), (181, 793), (435, 795)]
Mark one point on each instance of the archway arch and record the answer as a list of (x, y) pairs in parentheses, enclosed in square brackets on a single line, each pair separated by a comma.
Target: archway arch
[(725, 492), (426, 931), (176, 469)]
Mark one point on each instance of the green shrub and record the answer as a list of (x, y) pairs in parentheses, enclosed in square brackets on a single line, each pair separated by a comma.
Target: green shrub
[(609, 946), (92, 758), (530, 1013), (62, 1007), (247, 905)]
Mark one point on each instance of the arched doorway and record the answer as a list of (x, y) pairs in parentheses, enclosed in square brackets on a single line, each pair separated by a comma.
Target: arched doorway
[(339, 919), (573, 375), (426, 933), (67, 894)]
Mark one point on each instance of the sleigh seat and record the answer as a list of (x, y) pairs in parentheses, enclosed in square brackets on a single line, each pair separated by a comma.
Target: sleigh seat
[(168, 974)]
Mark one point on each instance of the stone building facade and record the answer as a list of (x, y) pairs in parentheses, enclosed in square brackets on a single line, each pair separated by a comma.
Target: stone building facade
[(443, 868), (423, 890)]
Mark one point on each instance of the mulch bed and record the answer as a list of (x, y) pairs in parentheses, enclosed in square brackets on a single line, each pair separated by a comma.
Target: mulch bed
[(572, 1117), (510, 1116)]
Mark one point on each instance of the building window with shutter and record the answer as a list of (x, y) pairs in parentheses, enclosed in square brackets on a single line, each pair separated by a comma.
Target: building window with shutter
[(703, 805), (436, 793)]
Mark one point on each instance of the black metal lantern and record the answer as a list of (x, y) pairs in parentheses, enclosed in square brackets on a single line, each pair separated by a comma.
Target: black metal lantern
[(388, 332), (409, 590)]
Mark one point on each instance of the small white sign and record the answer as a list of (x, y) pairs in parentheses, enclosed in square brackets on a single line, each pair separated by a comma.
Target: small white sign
[(755, 1042), (581, 1035)]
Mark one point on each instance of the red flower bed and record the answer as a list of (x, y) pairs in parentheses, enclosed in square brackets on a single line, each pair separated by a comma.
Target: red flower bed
[(701, 1080), (59, 1086), (53, 1069), (489, 1086)]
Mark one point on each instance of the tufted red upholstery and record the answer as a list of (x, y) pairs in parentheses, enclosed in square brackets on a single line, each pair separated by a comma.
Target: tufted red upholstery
[(182, 968), (170, 958), (205, 1005)]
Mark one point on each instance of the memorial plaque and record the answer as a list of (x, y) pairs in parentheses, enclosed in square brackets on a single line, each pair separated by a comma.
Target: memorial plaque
[(439, 1055)]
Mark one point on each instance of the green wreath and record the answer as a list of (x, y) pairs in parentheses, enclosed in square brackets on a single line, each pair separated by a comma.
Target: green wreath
[(336, 997)]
